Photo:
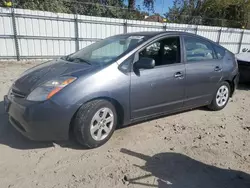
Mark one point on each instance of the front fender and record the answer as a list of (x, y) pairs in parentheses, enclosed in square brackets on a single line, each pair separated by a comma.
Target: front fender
[(107, 83)]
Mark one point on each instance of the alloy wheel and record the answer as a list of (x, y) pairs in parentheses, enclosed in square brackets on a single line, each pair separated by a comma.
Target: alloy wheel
[(222, 95), (101, 124)]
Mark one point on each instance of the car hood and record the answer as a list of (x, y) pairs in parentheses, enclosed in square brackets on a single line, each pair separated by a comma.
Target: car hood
[(38, 75)]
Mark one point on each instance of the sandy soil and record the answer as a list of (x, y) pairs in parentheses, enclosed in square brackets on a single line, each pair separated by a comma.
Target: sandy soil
[(194, 149)]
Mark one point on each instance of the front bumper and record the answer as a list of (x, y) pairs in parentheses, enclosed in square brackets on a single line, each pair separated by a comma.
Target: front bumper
[(42, 121)]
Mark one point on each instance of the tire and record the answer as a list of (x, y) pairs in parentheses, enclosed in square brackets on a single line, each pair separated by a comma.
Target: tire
[(215, 104), (90, 121)]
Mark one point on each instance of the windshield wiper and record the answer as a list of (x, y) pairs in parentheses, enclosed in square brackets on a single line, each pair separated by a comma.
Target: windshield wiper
[(64, 58), (79, 59)]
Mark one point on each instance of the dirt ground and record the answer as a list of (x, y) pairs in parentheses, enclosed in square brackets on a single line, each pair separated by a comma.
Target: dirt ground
[(194, 149)]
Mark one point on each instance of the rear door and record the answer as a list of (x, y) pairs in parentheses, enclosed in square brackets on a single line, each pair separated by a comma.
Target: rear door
[(203, 71)]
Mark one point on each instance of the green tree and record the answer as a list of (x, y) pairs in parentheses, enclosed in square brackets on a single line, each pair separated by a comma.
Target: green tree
[(229, 13), (103, 8), (44, 5), (149, 4)]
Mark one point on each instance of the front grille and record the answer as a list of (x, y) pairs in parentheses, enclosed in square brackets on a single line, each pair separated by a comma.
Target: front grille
[(17, 93)]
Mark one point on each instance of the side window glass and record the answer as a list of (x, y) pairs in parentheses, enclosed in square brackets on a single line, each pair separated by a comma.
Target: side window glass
[(220, 52), (164, 52), (198, 50), (152, 50), (171, 50)]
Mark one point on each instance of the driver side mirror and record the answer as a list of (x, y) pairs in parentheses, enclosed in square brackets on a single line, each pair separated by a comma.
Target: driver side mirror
[(145, 63)]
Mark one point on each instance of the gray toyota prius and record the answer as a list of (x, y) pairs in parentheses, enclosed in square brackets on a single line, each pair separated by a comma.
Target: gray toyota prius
[(118, 81)]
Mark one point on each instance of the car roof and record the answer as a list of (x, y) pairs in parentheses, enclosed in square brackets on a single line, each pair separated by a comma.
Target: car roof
[(150, 34), (155, 33)]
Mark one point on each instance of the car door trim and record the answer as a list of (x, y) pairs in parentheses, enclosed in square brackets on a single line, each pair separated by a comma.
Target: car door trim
[(157, 106)]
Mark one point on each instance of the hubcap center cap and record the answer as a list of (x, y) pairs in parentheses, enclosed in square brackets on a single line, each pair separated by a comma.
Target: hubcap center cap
[(102, 123)]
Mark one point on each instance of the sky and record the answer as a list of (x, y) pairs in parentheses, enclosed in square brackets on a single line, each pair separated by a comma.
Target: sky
[(161, 6)]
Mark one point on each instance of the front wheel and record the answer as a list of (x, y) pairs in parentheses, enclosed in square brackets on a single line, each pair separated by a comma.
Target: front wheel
[(221, 97), (95, 123)]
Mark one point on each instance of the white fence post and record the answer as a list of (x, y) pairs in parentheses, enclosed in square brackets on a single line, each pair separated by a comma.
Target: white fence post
[(76, 30), (164, 27), (15, 33), (196, 29), (219, 34), (125, 27), (241, 39)]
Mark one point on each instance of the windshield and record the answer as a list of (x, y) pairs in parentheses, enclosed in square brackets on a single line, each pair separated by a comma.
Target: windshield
[(107, 50)]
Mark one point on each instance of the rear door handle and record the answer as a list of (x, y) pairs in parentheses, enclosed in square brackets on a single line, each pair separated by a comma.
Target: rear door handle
[(179, 75), (217, 69)]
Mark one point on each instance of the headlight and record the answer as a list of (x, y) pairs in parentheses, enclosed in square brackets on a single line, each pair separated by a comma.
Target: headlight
[(50, 88)]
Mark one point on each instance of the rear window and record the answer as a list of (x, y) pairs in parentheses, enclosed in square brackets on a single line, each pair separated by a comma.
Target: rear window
[(198, 49)]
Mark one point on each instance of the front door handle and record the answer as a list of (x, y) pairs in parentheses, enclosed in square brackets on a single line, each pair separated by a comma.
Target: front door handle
[(179, 75), (217, 69)]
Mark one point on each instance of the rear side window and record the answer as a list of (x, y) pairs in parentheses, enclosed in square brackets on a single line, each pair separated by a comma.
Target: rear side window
[(220, 52), (198, 50)]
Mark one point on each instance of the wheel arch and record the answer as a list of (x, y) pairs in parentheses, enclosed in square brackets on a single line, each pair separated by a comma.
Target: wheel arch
[(232, 81), (232, 85), (117, 105)]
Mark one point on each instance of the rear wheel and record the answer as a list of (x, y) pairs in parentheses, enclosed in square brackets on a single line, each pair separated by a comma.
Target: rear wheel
[(221, 97), (95, 123)]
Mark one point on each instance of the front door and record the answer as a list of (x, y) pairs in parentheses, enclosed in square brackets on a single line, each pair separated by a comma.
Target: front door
[(159, 89), (203, 71)]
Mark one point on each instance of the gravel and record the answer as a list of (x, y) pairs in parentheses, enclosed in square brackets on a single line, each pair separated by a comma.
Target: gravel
[(198, 148)]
